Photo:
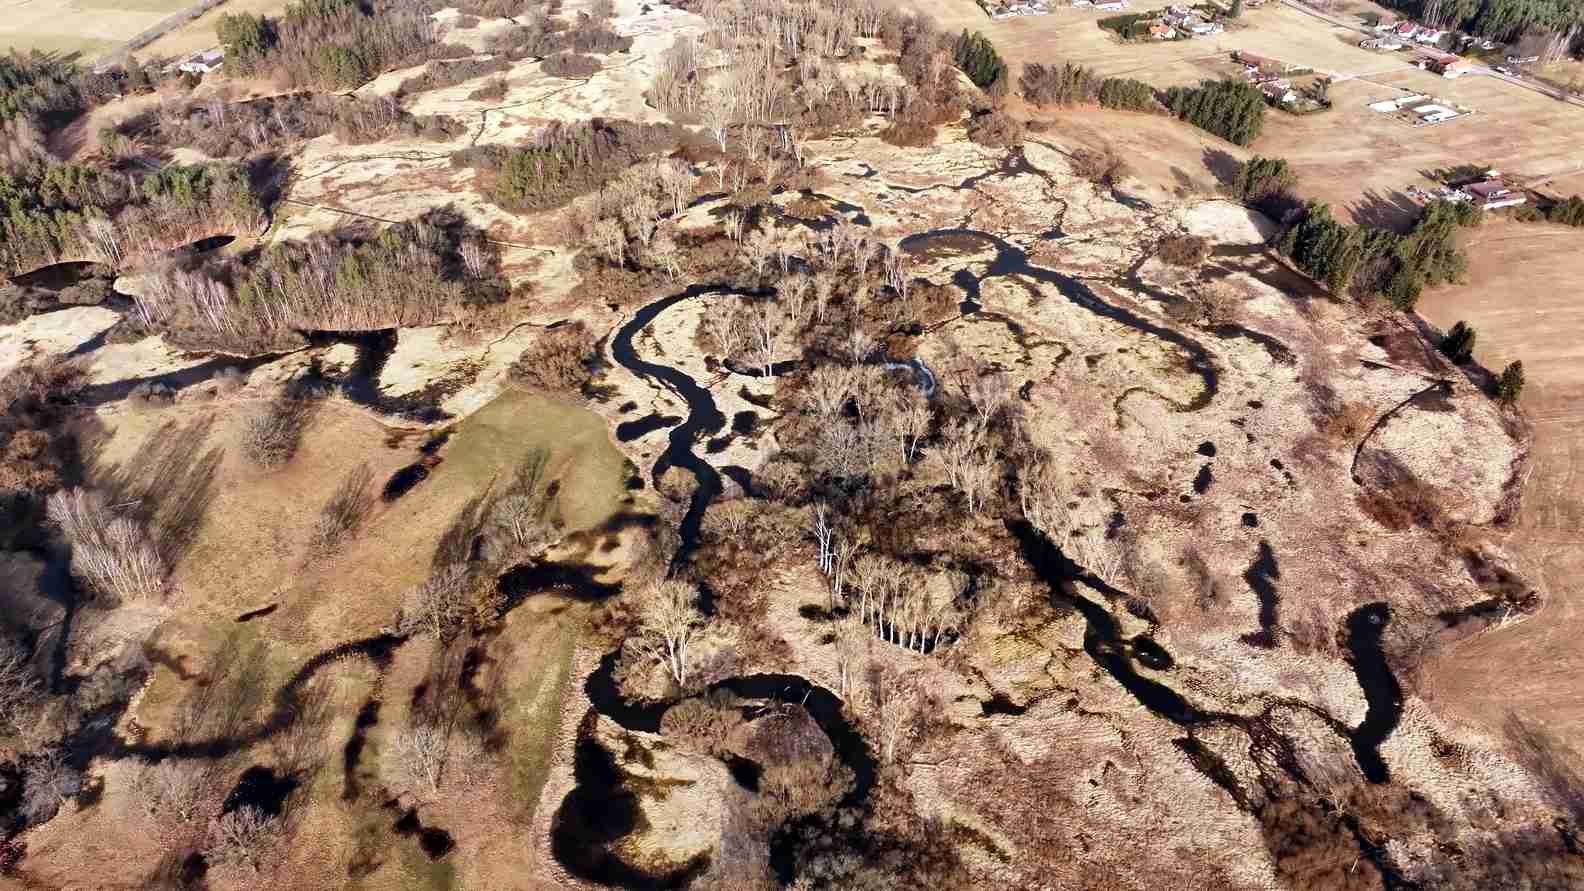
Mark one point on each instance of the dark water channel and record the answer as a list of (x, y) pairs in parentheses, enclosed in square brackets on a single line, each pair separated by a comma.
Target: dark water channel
[(704, 419), (1013, 261), (600, 810), (1105, 645)]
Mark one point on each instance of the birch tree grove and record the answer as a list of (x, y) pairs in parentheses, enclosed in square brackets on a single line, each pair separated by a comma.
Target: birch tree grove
[(671, 622)]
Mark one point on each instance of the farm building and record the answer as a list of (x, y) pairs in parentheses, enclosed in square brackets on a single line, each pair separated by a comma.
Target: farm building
[(1398, 103), (1020, 8), (1262, 63), (1435, 114), (1490, 194), (203, 63), (1450, 66)]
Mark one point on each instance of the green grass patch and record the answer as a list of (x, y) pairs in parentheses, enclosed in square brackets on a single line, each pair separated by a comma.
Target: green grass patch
[(494, 439), (531, 711)]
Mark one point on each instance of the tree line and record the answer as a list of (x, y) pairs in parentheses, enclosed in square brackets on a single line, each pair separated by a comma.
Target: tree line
[(51, 212), (1073, 84), (1559, 21), (421, 272), (1231, 109)]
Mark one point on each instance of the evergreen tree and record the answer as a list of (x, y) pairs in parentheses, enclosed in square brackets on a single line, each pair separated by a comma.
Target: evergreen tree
[(977, 57), (1458, 344), (1231, 109), (1510, 385)]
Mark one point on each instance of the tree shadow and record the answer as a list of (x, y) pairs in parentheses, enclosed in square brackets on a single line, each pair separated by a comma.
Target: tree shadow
[(169, 485), (1393, 211), (1223, 166), (1549, 760)]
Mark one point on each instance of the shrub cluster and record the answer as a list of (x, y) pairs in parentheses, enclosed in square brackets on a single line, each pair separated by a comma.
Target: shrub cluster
[(565, 161)]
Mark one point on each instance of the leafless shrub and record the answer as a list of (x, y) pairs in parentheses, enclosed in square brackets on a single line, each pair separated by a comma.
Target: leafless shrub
[(1184, 250), (441, 74), (494, 90), (1104, 167), (246, 837), (19, 687), (173, 788), (1219, 302), (270, 435), (1096, 553), (570, 65), (703, 723), (110, 553), (441, 605), (1347, 422), (299, 746), (996, 129), (48, 781), (557, 362), (343, 513)]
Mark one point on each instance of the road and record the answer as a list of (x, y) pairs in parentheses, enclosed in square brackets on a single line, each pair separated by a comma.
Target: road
[(1542, 89)]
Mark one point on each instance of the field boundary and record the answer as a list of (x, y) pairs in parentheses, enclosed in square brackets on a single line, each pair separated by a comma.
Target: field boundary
[(158, 30)]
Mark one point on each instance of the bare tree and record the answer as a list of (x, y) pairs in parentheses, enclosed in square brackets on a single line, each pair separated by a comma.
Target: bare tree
[(822, 537), (726, 328), (829, 387), (910, 418), (19, 687), (421, 751), (48, 781), (245, 837), (110, 553), (717, 111), (612, 240), (759, 246), (987, 392), (663, 251), (852, 639), (172, 788), (959, 447), (677, 180), (846, 550), (671, 622), (893, 702), (441, 605), (769, 326)]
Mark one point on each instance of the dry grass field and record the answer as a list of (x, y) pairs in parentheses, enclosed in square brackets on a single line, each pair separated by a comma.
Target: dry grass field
[(1358, 160), (1522, 296), (199, 34), (90, 27), (95, 28)]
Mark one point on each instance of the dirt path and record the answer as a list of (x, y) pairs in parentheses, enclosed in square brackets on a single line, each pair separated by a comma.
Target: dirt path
[(1523, 299)]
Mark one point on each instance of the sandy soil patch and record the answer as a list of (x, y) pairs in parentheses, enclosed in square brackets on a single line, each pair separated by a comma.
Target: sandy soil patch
[(52, 334), (1226, 222)]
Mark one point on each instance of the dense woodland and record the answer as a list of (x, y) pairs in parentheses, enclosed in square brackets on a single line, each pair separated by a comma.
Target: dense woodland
[(53, 212), (1559, 23)]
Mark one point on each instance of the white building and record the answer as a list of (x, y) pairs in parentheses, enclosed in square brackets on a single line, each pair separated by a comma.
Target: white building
[(203, 63)]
